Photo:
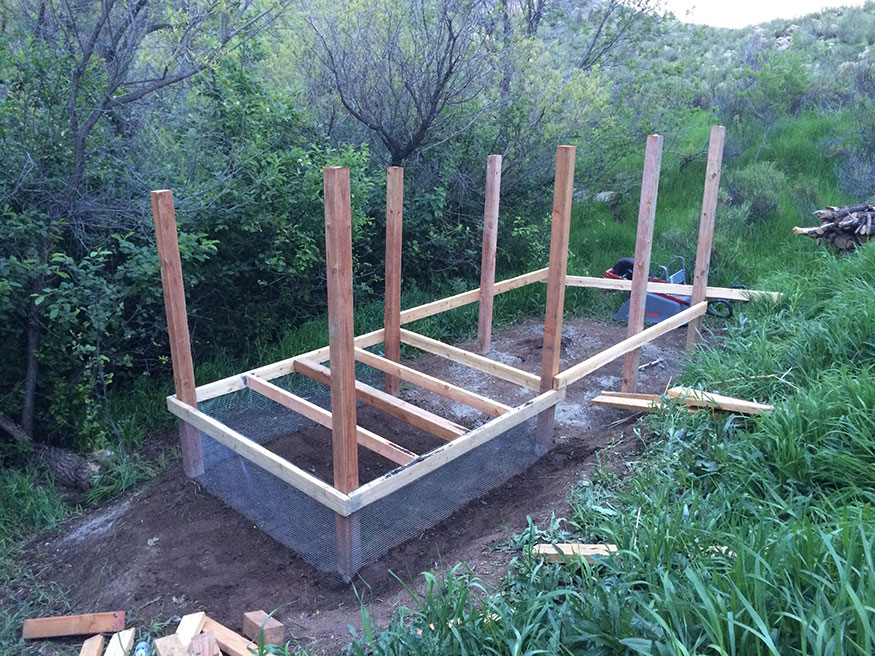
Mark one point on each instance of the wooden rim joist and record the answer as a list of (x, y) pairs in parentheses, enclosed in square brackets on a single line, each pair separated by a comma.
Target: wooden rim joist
[(344, 495)]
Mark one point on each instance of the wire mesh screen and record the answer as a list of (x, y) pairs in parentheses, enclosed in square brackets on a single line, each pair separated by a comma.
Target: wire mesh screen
[(304, 524)]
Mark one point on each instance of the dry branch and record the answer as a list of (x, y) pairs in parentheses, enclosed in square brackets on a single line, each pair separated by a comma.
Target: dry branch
[(844, 227)]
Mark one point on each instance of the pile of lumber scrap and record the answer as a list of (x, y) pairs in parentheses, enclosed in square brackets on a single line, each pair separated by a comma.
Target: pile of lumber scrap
[(195, 635), (844, 227)]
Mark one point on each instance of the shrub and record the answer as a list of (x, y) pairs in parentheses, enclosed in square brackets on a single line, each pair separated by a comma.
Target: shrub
[(758, 184)]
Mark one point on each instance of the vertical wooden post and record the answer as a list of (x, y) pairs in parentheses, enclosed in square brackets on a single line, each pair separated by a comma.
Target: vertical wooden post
[(487, 261), (392, 315), (706, 227), (338, 257), (177, 325), (563, 190), (643, 245)]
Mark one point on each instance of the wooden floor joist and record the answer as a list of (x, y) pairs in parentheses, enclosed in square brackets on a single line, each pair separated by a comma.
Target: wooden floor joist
[(472, 360), (365, 438), (695, 397), (432, 384), (413, 415), (560, 553)]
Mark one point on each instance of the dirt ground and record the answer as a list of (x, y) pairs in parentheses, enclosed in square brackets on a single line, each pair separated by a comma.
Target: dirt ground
[(170, 548)]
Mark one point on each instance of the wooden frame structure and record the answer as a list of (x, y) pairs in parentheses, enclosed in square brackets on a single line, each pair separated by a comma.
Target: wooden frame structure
[(345, 496)]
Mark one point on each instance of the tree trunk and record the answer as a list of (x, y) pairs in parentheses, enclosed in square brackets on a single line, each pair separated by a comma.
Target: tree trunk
[(28, 403)]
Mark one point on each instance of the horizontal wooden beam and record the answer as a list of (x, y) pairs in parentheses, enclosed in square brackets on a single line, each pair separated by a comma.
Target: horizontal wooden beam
[(729, 293), (560, 553), (465, 298), (599, 360), (364, 437), (473, 360), (413, 415), (397, 479), (278, 369), (631, 401), (314, 488), (431, 383), (69, 625), (702, 399)]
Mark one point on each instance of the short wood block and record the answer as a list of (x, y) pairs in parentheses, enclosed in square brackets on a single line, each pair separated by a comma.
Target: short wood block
[(232, 644), (559, 553), (93, 646), (256, 621), (121, 643), (170, 646), (189, 626), (68, 625), (205, 645)]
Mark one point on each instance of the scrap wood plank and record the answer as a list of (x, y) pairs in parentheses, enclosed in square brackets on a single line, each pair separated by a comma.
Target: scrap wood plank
[(232, 644), (121, 643), (258, 626), (93, 646), (170, 645), (632, 401), (560, 553), (703, 399), (189, 626), (205, 645), (68, 625)]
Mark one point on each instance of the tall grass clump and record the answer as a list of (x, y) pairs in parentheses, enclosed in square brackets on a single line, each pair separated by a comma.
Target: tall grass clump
[(737, 536)]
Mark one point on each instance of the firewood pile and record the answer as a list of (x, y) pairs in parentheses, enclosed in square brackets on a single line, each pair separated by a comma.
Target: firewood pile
[(844, 227)]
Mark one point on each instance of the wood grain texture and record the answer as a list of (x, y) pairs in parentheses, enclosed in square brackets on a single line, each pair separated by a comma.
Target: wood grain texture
[(706, 227), (392, 313), (643, 246), (170, 645), (93, 646), (563, 191), (487, 257), (205, 645), (172, 285), (69, 625)]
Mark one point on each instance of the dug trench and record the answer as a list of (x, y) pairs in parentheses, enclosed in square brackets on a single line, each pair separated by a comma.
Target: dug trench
[(170, 548)]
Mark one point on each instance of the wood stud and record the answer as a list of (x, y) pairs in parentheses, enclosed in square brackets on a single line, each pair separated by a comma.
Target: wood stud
[(392, 316), (487, 261)]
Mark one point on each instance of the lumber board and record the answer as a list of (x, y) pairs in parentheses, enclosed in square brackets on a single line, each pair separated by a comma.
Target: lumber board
[(392, 309), (368, 439), (560, 229), (205, 645), (472, 360), (413, 415), (471, 296), (70, 625), (636, 403), (121, 643), (397, 479), (257, 625), (258, 455), (727, 293), (93, 646), (706, 227), (231, 643), (487, 256), (561, 553), (189, 626), (436, 385), (599, 360), (691, 396), (643, 247), (170, 645)]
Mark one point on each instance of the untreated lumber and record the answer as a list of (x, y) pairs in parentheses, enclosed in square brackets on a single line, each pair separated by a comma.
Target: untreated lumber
[(432, 384), (121, 643), (487, 258), (643, 247), (263, 629), (561, 553), (366, 438), (472, 360), (413, 415), (631, 401), (170, 645), (560, 227), (728, 293), (844, 227), (706, 227), (177, 323), (205, 645), (189, 626), (392, 311), (599, 360), (70, 625), (231, 643), (93, 646), (695, 397)]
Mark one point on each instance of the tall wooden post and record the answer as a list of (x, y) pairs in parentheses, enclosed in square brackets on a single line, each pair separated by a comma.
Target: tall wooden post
[(338, 256), (392, 315), (563, 190), (177, 325), (487, 261), (643, 245), (706, 227)]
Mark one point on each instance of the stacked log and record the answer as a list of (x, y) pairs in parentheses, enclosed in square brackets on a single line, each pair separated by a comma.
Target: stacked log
[(844, 227)]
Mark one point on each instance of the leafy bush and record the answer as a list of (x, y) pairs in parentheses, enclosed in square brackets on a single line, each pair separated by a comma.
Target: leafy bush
[(757, 185)]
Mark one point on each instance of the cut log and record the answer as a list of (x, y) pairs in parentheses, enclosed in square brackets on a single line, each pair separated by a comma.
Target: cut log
[(695, 397), (70, 625), (843, 227), (560, 553), (257, 621)]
